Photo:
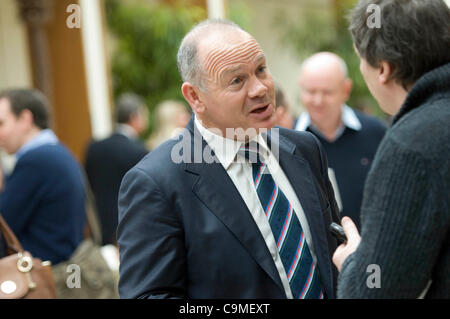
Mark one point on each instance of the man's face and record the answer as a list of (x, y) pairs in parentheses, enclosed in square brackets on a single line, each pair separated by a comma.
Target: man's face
[(12, 128), (239, 90), (322, 93)]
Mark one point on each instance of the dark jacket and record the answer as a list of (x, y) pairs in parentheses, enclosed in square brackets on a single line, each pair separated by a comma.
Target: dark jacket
[(405, 214), (106, 163), (185, 231)]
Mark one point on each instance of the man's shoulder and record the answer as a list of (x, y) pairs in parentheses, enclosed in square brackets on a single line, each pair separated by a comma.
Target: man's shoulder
[(47, 159), (109, 142), (47, 153), (303, 139), (116, 143), (425, 130), (307, 145), (163, 157)]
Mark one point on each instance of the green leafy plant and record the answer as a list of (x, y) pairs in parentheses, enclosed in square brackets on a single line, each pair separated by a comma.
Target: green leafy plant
[(146, 37)]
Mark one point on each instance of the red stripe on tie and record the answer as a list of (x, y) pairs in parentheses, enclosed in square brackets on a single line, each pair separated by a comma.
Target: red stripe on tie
[(271, 200), (311, 271), (284, 227), (259, 174), (296, 255)]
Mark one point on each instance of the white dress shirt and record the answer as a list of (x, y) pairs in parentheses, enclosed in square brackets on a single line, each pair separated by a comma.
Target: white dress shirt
[(348, 118), (127, 130), (241, 174)]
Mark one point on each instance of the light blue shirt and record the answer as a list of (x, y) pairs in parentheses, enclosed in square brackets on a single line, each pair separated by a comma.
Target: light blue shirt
[(44, 137)]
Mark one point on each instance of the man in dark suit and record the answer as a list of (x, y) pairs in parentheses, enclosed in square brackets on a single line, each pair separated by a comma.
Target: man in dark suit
[(200, 217), (108, 160)]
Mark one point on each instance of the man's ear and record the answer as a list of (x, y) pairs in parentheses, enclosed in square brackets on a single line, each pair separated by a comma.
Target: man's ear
[(26, 117), (348, 85), (384, 72), (192, 95)]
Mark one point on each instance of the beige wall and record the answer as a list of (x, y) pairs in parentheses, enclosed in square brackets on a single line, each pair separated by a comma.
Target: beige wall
[(14, 60)]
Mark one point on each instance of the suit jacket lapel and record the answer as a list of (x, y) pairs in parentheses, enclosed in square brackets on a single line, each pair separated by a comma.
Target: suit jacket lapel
[(299, 174), (216, 190)]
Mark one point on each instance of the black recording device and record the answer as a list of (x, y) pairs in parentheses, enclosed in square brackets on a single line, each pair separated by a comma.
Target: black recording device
[(338, 232)]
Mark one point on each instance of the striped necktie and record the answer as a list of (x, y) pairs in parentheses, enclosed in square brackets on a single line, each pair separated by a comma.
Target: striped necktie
[(301, 270)]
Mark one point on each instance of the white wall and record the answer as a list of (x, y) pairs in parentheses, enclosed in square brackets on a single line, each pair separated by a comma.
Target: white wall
[(15, 70)]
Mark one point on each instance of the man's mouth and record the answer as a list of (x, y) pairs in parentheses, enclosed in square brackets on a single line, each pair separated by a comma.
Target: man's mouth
[(260, 109)]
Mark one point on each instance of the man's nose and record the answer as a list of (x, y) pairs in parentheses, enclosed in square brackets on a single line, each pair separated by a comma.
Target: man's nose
[(257, 88), (317, 98)]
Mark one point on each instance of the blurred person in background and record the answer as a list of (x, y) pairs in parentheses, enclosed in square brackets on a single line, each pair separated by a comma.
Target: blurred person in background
[(405, 212), (350, 138), (109, 159), (2, 241), (283, 109), (43, 199), (171, 117)]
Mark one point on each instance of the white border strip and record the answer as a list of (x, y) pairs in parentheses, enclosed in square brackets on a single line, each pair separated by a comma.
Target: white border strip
[(95, 62)]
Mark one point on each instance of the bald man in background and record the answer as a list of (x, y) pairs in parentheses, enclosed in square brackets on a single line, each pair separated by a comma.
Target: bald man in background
[(350, 138)]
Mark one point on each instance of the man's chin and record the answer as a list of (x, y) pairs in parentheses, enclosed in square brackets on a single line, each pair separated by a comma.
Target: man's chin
[(267, 124)]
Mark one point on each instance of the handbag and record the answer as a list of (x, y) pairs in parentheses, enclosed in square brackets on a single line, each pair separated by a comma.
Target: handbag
[(94, 279), (22, 275)]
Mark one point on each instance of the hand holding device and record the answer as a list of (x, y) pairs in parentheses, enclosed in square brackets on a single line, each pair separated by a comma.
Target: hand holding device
[(338, 232)]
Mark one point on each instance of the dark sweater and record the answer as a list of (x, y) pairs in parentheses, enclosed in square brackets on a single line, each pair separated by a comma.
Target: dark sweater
[(405, 213), (351, 156), (44, 202)]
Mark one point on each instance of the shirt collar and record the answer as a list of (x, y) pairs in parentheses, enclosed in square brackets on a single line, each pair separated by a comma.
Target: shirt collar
[(224, 148), (126, 130), (348, 117), (44, 137)]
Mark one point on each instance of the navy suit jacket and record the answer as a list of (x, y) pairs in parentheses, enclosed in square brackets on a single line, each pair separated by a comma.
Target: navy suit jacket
[(185, 232)]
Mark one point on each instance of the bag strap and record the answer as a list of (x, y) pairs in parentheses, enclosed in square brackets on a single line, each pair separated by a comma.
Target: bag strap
[(13, 245), (92, 220)]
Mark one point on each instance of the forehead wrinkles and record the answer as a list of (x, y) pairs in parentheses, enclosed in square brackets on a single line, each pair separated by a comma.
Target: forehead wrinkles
[(218, 59)]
